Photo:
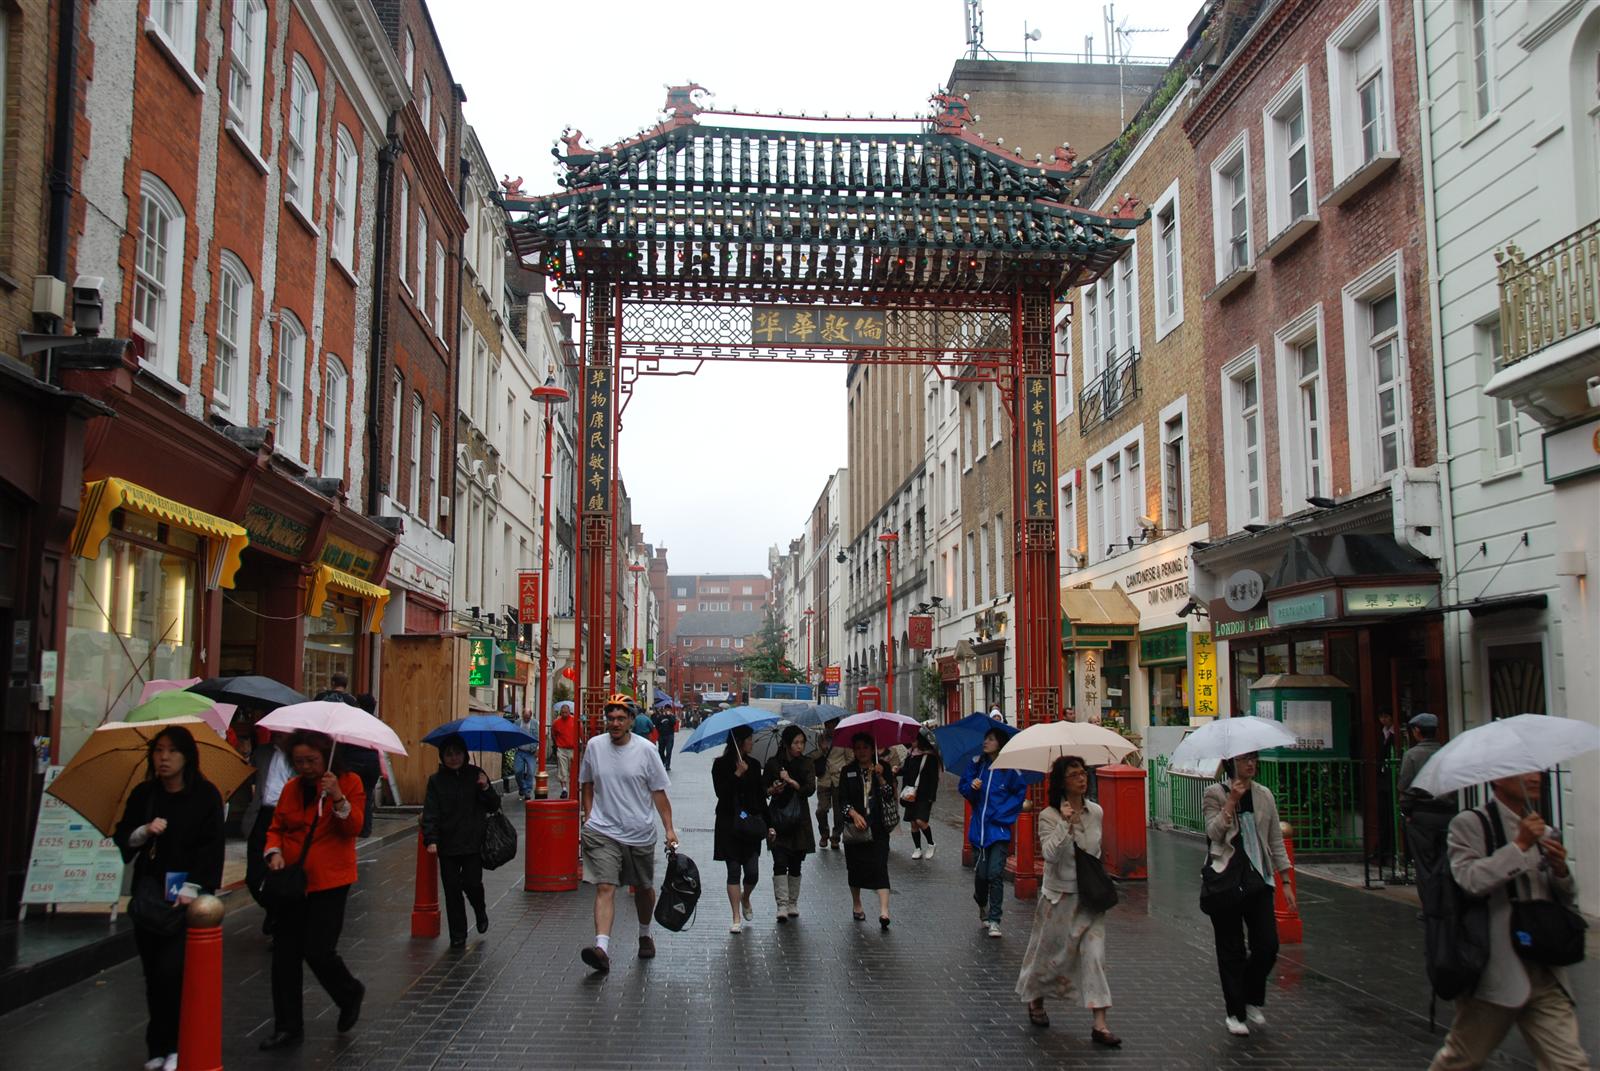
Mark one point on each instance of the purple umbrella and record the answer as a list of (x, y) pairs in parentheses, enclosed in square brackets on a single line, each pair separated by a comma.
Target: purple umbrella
[(885, 727)]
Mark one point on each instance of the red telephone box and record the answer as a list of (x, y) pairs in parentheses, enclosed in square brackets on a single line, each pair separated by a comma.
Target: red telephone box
[(868, 698)]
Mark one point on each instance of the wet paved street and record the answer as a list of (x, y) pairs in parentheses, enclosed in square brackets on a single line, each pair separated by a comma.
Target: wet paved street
[(933, 992)]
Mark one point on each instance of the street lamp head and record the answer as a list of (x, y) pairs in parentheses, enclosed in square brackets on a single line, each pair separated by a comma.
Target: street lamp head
[(550, 392), (889, 537), (635, 568)]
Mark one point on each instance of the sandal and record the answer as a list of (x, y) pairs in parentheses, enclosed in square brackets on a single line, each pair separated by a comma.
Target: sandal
[(859, 916), (1037, 1016), (1106, 1038)]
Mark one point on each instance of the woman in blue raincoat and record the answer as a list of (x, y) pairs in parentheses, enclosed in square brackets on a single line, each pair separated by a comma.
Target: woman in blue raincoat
[(996, 797)]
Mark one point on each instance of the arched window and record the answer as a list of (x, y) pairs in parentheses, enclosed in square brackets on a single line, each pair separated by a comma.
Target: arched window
[(158, 274), (346, 172), (335, 399), (230, 361), (289, 382), (300, 166)]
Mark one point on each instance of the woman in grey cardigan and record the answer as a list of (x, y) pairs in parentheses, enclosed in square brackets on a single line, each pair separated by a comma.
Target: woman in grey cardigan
[(1067, 950), (1243, 831)]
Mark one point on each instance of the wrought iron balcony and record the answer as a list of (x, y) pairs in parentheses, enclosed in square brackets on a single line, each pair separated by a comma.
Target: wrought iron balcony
[(1109, 391), (1549, 296)]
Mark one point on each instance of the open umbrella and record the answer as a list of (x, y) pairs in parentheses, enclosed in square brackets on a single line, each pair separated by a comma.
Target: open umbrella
[(345, 723), (961, 740), (811, 713), (248, 691), (482, 732), (713, 732), (884, 726), (165, 705), (112, 762), (563, 706), (1527, 743), (157, 686), (1037, 746), (767, 740), (1224, 738)]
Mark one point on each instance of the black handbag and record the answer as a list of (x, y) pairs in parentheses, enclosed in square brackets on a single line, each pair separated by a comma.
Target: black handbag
[(680, 892), (1543, 931), (889, 803), (152, 911), (1096, 890), (499, 841), (1226, 890), (287, 886), (789, 814), (749, 825)]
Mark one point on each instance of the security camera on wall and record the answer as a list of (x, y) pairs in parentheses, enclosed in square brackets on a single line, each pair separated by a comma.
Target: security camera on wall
[(88, 304)]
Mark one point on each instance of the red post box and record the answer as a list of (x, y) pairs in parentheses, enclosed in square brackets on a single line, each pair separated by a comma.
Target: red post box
[(552, 855), (200, 1020), (1291, 929), (1122, 841), (425, 902)]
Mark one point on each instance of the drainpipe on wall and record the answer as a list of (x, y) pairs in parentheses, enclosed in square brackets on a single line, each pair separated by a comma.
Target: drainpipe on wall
[(61, 158), (378, 382)]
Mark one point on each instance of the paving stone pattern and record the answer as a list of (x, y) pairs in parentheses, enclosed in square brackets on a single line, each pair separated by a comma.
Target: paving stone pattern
[(933, 992)]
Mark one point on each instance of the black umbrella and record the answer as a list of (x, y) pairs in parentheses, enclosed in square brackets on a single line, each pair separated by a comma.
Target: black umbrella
[(248, 691)]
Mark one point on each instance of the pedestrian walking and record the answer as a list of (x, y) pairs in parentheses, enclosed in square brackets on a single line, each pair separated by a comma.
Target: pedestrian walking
[(454, 805), (1245, 858), (621, 782), (315, 826), (866, 788), (831, 759), (996, 797), (171, 830), (642, 725), (1067, 949), (666, 723), (527, 755), (791, 780), (273, 771), (565, 734), (741, 823), (919, 780), (1526, 859)]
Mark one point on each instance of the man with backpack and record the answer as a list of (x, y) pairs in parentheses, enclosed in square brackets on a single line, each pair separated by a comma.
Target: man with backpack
[(1504, 853)]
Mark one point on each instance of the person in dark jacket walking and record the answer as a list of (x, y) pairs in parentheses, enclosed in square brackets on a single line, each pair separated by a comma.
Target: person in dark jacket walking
[(919, 778), (996, 797), (171, 830), (789, 774), (361, 761), (741, 820), (453, 809), (863, 785)]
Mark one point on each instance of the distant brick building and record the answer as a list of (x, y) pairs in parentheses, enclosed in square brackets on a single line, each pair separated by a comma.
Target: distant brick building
[(700, 611)]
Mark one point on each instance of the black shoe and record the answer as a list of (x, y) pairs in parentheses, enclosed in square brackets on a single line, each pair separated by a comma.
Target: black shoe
[(596, 958), (483, 923), (268, 924), (883, 922), (282, 1039), (352, 1011), (457, 943)]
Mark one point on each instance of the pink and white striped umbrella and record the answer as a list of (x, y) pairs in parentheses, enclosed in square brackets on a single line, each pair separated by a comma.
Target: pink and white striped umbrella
[(345, 723)]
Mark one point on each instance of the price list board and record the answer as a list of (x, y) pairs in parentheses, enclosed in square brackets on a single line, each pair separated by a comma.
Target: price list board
[(71, 862)]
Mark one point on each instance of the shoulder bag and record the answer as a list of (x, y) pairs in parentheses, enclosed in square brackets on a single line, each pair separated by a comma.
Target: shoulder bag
[(788, 812), (499, 841), (148, 905), (850, 834), (1096, 890), (1225, 891), (280, 887), (890, 804), (1543, 931)]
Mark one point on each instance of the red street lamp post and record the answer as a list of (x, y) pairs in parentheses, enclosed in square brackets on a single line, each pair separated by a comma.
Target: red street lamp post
[(550, 394), (889, 539), (633, 658)]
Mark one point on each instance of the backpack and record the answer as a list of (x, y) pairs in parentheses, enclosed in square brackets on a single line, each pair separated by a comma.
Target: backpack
[(1456, 924), (680, 892)]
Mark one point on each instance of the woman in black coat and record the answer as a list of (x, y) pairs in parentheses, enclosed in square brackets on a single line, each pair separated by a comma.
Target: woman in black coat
[(791, 778), (453, 811), (741, 819), (858, 806), (919, 776), (171, 830)]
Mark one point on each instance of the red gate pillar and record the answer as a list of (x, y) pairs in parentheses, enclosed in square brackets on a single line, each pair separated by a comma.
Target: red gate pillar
[(596, 501)]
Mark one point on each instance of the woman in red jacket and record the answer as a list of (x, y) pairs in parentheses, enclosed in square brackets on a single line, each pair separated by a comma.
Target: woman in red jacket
[(328, 808)]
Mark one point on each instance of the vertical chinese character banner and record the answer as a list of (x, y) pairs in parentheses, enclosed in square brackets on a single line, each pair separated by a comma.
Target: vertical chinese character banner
[(1205, 675), (595, 452), (1039, 465)]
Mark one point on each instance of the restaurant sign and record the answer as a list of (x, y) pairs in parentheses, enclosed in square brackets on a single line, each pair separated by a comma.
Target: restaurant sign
[(1390, 600)]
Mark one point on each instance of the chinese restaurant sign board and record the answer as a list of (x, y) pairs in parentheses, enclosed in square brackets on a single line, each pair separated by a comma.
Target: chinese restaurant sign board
[(1039, 445), (480, 664), (772, 325), (528, 596), (919, 628), (1205, 675)]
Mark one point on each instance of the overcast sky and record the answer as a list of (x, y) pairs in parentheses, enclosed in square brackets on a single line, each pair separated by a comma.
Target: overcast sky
[(723, 464)]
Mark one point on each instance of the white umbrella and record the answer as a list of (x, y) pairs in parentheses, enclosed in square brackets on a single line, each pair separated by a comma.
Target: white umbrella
[(1226, 737), (1527, 743), (1037, 746)]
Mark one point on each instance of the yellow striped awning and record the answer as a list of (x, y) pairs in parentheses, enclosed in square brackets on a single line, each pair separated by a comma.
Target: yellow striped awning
[(226, 540), (373, 598)]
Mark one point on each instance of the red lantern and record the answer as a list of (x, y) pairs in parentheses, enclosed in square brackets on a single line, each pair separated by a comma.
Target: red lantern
[(569, 673)]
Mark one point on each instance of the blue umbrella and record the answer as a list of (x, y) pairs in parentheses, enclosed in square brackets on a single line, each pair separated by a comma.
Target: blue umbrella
[(960, 741), (482, 732), (713, 732), (663, 700), (806, 714)]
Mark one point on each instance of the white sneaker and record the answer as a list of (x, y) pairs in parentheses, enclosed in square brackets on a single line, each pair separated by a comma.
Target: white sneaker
[(1256, 1016), (1236, 1028), (927, 853), (155, 1063), (735, 927), (917, 854), (994, 929), (170, 1063)]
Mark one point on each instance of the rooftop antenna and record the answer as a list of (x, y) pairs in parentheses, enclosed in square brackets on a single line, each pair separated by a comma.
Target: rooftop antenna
[(974, 9), (1028, 36)]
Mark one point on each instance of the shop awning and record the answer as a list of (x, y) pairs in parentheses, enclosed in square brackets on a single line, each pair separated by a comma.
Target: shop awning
[(1093, 617), (373, 598), (225, 540)]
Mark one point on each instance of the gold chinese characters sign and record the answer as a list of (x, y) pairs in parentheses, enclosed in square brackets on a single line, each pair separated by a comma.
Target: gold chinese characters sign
[(1039, 462), (791, 325), (1206, 700), (595, 453)]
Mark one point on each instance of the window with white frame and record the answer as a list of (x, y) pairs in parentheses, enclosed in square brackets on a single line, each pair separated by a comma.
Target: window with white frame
[(1375, 369), (441, 130), (175, 21), (425, 106), (1064, 392), (1175, 466), (1360, 90), (1097, 513), (301, 136), (997, 415), (969, 426), (438, 288), (335, 395), (247, 66), (1230, 196), (414, 457), (969, 587), (1168, 265), (289, 382), (408, 60), (1111, 327), (230, 371), (1480, 57), (1000, 545), (1116, 496), (397, 396), (435, 446), (1093, 359), (344, 198), (422, 263), (403, 246), (1501, 418), (1242, 441), (1067, 539), (980, 410), (1291, 194), (158, 275)]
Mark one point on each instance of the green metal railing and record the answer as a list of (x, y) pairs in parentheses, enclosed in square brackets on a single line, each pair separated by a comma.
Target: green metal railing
[(1186, 793), (1319, 797)]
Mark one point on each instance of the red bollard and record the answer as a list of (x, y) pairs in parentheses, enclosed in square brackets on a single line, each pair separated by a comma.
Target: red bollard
[(1025, 863), (966, 824), (425, 907), (551, 855), (200, 1020), (1291, 931)]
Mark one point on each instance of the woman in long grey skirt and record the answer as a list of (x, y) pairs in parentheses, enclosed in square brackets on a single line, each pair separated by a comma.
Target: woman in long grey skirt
[(1067, 950)]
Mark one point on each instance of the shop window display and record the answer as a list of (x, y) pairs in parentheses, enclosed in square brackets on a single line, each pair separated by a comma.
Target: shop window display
[(330, 647)]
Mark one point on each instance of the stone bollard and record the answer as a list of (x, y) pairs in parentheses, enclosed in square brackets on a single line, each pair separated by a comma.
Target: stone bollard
[(425, 905), (1291, 931), (200, 1020)]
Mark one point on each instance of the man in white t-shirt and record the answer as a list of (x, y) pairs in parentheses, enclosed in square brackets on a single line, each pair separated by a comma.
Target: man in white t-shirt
[(622, 789)]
